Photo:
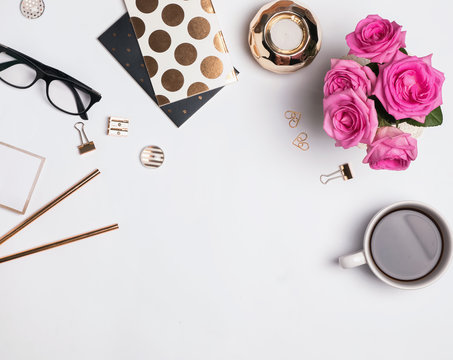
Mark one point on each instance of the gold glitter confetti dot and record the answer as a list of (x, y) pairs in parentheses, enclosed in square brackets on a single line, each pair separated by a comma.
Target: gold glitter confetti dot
[(159, 41), (211, 67), (172, 80), (173, 15), (185, 54), (151, 65), (147, 6), (139, 27), (207, 6), (197, 88), (162, 100), (219, 43), (199, 28)]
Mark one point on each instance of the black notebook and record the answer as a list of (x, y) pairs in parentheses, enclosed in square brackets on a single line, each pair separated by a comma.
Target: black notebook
[(121, 42)]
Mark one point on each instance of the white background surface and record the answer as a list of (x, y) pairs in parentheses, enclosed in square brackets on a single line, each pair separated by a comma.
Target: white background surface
[(229, 250)]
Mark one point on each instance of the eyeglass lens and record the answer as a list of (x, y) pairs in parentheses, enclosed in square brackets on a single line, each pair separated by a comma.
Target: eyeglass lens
[(16, 73), (62, 94), (67, 97)]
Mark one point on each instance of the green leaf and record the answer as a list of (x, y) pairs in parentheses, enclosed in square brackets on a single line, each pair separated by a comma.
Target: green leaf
[(404, 51), (411, 122), (374, 67), (382, 113), (383, 122), (434, 118)]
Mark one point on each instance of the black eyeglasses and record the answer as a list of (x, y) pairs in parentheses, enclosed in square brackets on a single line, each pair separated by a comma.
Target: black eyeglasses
[(64, 92)]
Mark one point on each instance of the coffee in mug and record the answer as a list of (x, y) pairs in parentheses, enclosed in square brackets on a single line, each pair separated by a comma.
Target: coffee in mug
[(407, 245)]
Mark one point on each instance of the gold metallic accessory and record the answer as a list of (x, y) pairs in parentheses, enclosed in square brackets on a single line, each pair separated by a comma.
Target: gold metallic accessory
[(32, 9), (59, 243), (49, 206), (272, 57), (344, 171), (152, 157), (301, 141), (118, 126), (42, 211), (293, 117), (85, 145)]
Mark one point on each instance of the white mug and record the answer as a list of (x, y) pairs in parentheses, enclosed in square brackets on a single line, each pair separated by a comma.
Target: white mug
[(365, 257)]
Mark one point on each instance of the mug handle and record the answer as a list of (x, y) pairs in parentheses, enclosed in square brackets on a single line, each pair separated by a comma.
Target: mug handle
[(353, 260)]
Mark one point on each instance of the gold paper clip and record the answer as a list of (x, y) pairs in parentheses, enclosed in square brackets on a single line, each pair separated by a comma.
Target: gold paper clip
[(293, 117), (118, 126), (345, 173), (301, 141), (85, 145)]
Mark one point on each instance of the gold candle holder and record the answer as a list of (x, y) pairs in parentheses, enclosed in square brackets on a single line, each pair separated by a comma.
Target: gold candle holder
[(270, 55)]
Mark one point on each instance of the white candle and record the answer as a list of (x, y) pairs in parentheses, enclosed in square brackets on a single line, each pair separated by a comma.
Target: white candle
[(286, 34)]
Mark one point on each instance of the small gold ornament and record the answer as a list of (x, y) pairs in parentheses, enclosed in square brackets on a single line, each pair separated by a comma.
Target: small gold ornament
[(301, 141), (284, 37), (293, 117)]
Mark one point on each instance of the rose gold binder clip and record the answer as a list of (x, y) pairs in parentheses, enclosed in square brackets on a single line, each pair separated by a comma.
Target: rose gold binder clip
[(344, 172), (85, 145)]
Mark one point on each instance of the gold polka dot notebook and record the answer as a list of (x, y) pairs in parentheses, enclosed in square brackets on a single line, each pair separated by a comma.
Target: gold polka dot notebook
[(182, 46)]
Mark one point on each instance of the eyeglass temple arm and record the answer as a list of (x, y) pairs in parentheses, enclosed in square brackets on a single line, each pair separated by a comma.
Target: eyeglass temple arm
[(64, 76), (8, 64), (79, 103)]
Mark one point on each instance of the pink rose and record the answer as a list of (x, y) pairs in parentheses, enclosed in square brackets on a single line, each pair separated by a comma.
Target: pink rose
[(409, 87), (392, 149), (376, 39), (350, 118), (348, 74)]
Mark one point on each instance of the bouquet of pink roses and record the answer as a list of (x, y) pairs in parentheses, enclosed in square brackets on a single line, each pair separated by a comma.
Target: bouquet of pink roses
[(372, 98)]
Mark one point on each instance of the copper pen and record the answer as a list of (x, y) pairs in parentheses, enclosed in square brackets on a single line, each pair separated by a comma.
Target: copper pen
[(49, 206), (59, 243)]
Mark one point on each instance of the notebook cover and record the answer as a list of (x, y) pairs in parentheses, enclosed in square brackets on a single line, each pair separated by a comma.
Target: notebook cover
[(120, 41), (182, 45)]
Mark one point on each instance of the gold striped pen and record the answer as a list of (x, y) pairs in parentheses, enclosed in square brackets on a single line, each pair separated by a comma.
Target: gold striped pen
[(49, 206), (59, 243)]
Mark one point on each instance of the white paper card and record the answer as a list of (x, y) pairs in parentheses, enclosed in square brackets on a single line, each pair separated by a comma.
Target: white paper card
[(19, 173)]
